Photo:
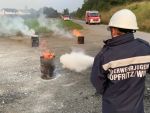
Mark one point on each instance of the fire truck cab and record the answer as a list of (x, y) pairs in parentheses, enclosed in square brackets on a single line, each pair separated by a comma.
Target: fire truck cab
[(92, 17)]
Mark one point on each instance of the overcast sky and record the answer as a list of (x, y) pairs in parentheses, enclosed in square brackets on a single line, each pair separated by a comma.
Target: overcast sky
[(36, 4)]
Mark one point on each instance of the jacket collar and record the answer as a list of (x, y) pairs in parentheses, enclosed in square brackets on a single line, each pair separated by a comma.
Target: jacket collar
[(119, 40)]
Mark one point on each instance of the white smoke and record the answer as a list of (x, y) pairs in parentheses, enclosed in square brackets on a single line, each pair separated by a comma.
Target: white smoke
[(54, 25), (13, 25), (76, 61)]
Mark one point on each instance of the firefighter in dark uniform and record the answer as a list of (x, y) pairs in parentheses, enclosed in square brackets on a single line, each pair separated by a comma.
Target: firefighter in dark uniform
[(119, 69)]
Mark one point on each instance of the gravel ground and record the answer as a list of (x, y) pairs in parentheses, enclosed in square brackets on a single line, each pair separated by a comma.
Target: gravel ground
[(23, 91)]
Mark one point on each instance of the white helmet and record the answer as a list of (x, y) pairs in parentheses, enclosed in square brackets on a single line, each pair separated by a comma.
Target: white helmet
[(125, 19)]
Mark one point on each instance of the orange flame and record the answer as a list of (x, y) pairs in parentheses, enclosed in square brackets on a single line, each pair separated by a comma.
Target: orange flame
[(76, 33), (45, 52), (47, 55)]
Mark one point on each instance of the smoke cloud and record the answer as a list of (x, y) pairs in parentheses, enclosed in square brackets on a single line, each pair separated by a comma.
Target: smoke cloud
[(76, 61), (55, 26), (13, 25)]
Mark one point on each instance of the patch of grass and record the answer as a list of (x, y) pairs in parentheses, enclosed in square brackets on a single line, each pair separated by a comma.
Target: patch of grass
[(68, 25), (71, 25), (143, 16), (34, 24), (141, 10)]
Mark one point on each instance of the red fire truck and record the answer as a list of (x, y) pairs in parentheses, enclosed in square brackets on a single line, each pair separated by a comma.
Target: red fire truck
[(92, 17)]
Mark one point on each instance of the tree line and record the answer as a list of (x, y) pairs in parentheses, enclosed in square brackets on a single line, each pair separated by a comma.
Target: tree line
[(101, 5)]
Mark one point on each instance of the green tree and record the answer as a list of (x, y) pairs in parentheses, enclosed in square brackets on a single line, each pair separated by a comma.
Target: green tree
[(101, 5)]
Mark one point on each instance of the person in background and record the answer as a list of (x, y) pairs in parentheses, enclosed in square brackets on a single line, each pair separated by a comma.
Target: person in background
[(119, 69)]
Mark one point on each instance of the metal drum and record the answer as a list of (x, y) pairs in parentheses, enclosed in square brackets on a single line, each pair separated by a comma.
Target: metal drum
[(35, 41), (47, 68)]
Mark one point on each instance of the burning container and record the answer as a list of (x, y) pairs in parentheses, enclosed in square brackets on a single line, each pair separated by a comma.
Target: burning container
[(35, 40), (47, 65), (80, 39)]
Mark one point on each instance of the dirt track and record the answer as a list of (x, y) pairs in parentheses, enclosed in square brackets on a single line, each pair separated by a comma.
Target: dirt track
[(23, 91)]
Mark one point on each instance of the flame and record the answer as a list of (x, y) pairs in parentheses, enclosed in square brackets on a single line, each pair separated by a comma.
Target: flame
[(76, 33), (45, 52), (48, 55)]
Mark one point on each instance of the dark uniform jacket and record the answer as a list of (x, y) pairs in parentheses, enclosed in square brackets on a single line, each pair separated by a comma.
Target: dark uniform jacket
[(118, 74)]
